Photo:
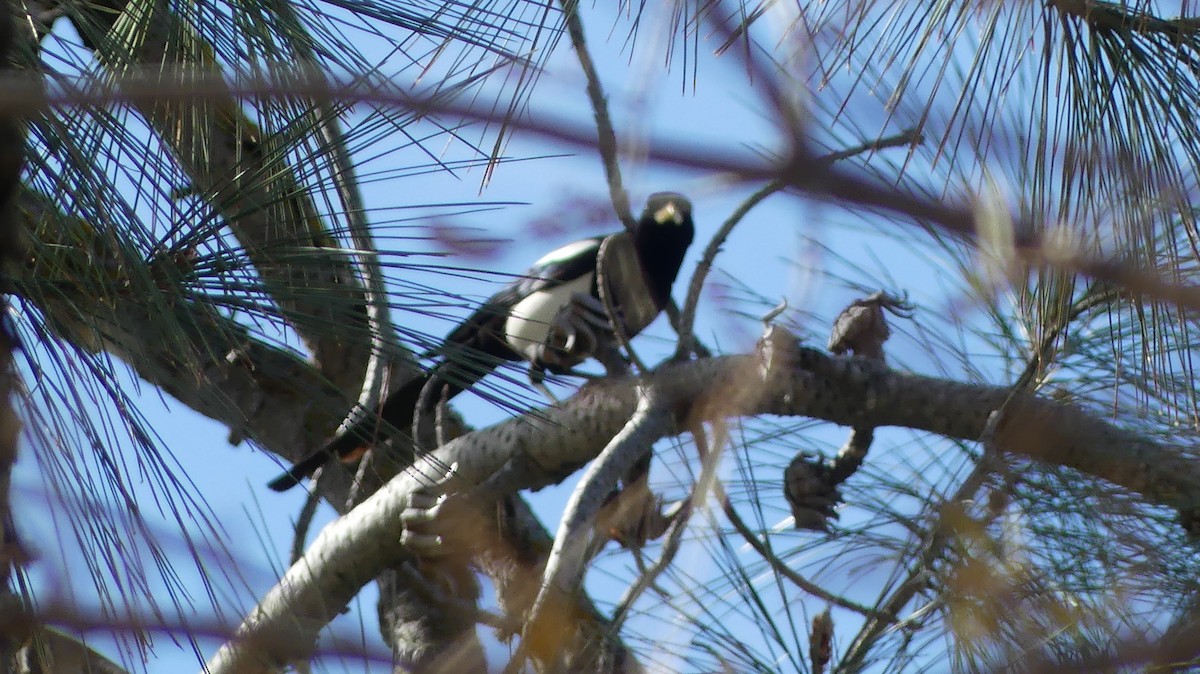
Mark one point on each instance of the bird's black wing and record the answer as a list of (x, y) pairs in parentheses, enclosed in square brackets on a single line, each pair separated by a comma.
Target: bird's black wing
[(483, 331), (471, 351)]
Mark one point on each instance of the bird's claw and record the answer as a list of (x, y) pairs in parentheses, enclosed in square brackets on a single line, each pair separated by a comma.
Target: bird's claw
[(592, 310)]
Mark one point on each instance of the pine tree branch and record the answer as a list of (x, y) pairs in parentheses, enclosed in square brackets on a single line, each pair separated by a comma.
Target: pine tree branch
[(783, 379), (238, 172), (208, 361)]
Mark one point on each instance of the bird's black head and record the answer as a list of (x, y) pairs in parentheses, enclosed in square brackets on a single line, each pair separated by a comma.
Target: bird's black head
[(663, 234)]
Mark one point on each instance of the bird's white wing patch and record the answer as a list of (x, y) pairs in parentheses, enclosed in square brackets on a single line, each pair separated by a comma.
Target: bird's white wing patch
[(529, 322), (573, 249)]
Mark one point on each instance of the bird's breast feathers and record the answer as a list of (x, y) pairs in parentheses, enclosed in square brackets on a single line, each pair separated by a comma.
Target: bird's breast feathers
[(529, 321)]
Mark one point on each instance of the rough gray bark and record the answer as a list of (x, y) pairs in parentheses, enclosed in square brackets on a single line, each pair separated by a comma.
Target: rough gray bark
[(783, 379)]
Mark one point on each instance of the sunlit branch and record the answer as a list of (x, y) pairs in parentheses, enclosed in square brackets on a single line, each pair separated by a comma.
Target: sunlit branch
[(783, 379), (543, 634)]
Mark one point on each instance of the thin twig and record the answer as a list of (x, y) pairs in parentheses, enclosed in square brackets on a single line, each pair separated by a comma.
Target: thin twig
[(606, 137), (670, 549), (688, 314), (303, 522), (917, 579), (764, 550), (674, 537), (687, 317), (855, 655), (904, 138), (989, 463)]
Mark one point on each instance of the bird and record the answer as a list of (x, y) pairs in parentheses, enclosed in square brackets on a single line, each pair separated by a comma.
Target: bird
[(554, 317)]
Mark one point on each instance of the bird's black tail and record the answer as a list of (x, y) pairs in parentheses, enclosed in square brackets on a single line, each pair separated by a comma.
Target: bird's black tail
[(395, 416), (305, 468)]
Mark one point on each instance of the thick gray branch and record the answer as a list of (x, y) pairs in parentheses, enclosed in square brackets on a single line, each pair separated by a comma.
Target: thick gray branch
[(548, 623), (552, 442)]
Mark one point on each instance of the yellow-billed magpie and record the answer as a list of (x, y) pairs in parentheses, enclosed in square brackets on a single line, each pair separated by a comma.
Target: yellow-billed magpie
[(551, 317)]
